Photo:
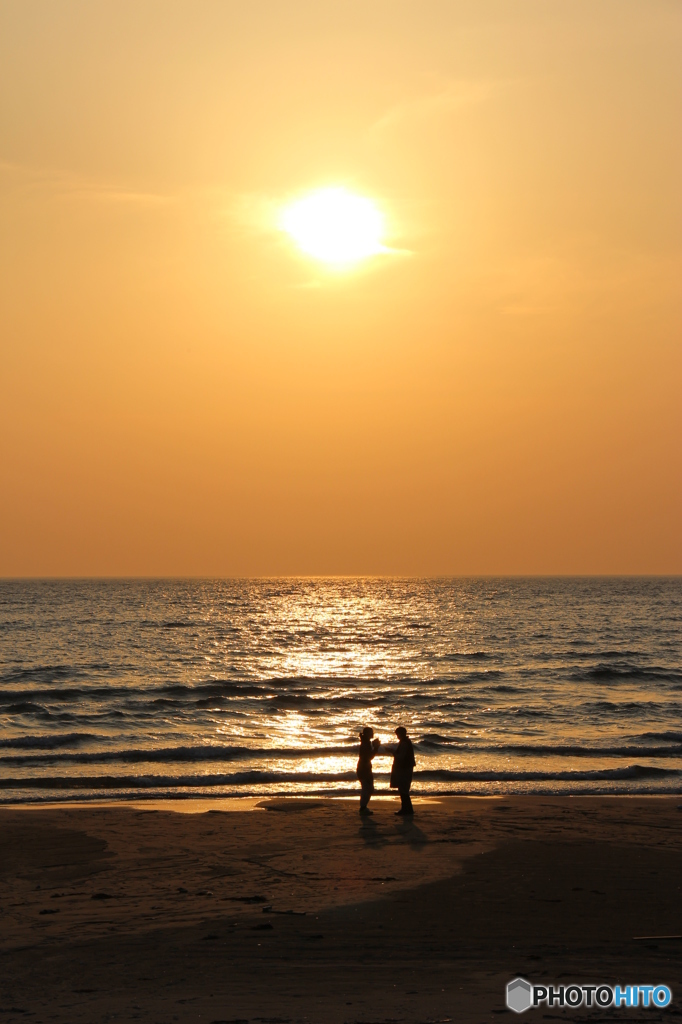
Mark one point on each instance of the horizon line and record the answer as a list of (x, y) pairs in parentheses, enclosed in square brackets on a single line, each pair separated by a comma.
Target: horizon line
[(342, 576)]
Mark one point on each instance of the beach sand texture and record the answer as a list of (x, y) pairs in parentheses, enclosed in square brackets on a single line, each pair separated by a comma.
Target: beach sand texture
[(299, 910)]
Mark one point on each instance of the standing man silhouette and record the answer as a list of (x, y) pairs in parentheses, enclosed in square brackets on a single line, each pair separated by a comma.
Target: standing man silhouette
[(368, 748), (401, 772)]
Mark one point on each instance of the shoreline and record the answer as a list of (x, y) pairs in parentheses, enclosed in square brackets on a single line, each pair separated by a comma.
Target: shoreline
[(188, 804)]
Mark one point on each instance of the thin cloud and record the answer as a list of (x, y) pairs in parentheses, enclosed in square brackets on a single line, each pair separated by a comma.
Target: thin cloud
[(454, 96), (117, 195), (67, 184)]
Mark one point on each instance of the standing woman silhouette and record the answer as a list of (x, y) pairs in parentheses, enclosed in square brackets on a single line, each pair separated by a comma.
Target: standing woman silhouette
[(368, 749)]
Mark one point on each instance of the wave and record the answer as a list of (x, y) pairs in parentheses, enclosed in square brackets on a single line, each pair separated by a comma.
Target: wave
[(631, 707), (318, 689), (569, 750), (51, 673), (317, 703), (606, 654), (138, 694), (186, 781), (674, 737), (212, 688), (464, 656), (262, 777), (605, 673), (68, 693), (634, 771), (429, 743), (67, 739), (168, 624), (47, 685), (434, 741), (26, 707), (170, 755)]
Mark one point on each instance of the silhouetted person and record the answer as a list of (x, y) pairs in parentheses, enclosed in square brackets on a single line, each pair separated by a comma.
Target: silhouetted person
[(401, 772), (368, 748)]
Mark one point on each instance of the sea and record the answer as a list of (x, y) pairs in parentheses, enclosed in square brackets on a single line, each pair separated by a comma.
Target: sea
[(180, 689)]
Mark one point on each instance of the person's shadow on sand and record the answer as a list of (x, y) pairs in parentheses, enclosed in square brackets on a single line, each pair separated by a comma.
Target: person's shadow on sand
[(371, 834), (411, 833)]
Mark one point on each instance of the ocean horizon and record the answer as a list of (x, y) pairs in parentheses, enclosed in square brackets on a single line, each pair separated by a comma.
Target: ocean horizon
[(124, 689)]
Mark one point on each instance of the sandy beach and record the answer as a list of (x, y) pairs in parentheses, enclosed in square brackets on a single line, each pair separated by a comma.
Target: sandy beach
[(298, 910)]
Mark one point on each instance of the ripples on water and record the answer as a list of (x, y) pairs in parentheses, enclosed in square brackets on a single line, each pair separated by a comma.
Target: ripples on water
[(113, 688)]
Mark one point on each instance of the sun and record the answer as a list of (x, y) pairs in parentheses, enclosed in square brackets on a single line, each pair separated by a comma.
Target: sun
[(335, 226)]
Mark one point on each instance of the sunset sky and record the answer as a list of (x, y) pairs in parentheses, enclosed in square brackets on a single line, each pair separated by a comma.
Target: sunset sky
[(495, 388)]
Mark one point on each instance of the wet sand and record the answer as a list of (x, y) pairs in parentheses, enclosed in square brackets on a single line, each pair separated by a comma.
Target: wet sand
[(301, 911)]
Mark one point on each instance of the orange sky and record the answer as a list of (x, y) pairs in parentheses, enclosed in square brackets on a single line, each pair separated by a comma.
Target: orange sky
[(183, 393)]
